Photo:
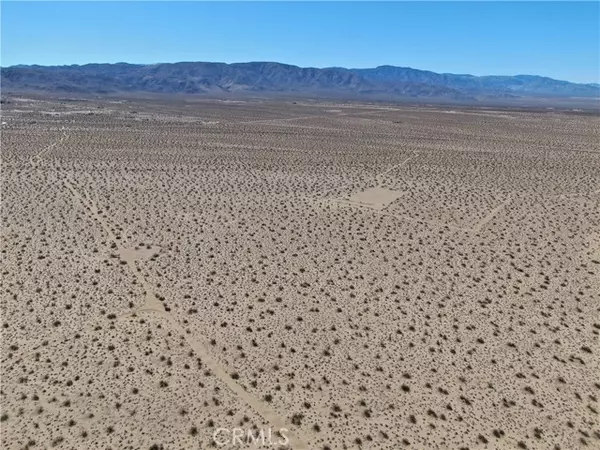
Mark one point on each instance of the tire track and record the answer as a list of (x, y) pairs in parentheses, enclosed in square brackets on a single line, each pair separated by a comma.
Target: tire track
[(396, 166), (38, 156), (483, 222), (153, 306)]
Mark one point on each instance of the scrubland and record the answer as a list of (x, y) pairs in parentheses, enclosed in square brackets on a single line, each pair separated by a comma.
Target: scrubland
[(367, 276)]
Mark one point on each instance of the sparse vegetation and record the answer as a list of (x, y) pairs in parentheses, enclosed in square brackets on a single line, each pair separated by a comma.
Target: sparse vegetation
[(329, 266)]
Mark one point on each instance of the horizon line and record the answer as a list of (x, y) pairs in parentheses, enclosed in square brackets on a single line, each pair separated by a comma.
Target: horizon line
[(597, 82)]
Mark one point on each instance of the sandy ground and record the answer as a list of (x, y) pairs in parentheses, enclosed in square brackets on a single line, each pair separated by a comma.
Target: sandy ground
[(362, 276)]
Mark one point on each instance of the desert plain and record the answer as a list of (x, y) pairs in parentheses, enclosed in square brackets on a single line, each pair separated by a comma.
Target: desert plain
[(361, 276)]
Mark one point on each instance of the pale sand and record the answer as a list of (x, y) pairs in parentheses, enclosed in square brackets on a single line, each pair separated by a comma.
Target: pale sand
[(376, 197), (366, 276)]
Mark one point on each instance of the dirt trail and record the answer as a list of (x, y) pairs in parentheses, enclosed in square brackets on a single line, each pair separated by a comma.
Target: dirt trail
[(153, 306), (38, 156), (483, 222), (576, 194), (475, 229), (287, 119), (396, 166)]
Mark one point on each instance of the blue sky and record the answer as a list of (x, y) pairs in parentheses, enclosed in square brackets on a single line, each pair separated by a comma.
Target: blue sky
[(556, 39)]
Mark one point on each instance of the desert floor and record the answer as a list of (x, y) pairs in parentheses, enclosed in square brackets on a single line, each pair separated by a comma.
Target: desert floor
[(365, 276)]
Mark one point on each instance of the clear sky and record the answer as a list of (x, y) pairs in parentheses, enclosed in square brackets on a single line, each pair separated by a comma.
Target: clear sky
[(556, 39)]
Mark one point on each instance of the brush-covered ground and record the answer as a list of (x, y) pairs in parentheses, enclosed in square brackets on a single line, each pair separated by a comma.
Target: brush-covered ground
[(366, 276)]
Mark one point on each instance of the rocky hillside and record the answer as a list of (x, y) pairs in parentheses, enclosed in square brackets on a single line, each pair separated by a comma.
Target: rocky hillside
[(269, 77)]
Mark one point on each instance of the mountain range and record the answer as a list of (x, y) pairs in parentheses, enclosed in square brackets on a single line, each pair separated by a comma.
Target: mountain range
[(388, 82)]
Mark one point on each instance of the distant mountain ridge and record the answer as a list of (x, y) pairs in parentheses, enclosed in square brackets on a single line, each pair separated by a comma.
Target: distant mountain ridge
[(271, 77)]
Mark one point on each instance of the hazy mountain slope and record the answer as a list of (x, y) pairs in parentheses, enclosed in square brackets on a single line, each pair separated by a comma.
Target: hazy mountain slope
[(207, 77), (493, 84)]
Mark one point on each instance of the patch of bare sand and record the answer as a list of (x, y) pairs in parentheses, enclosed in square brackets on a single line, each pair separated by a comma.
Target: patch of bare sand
[(375, 197)]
